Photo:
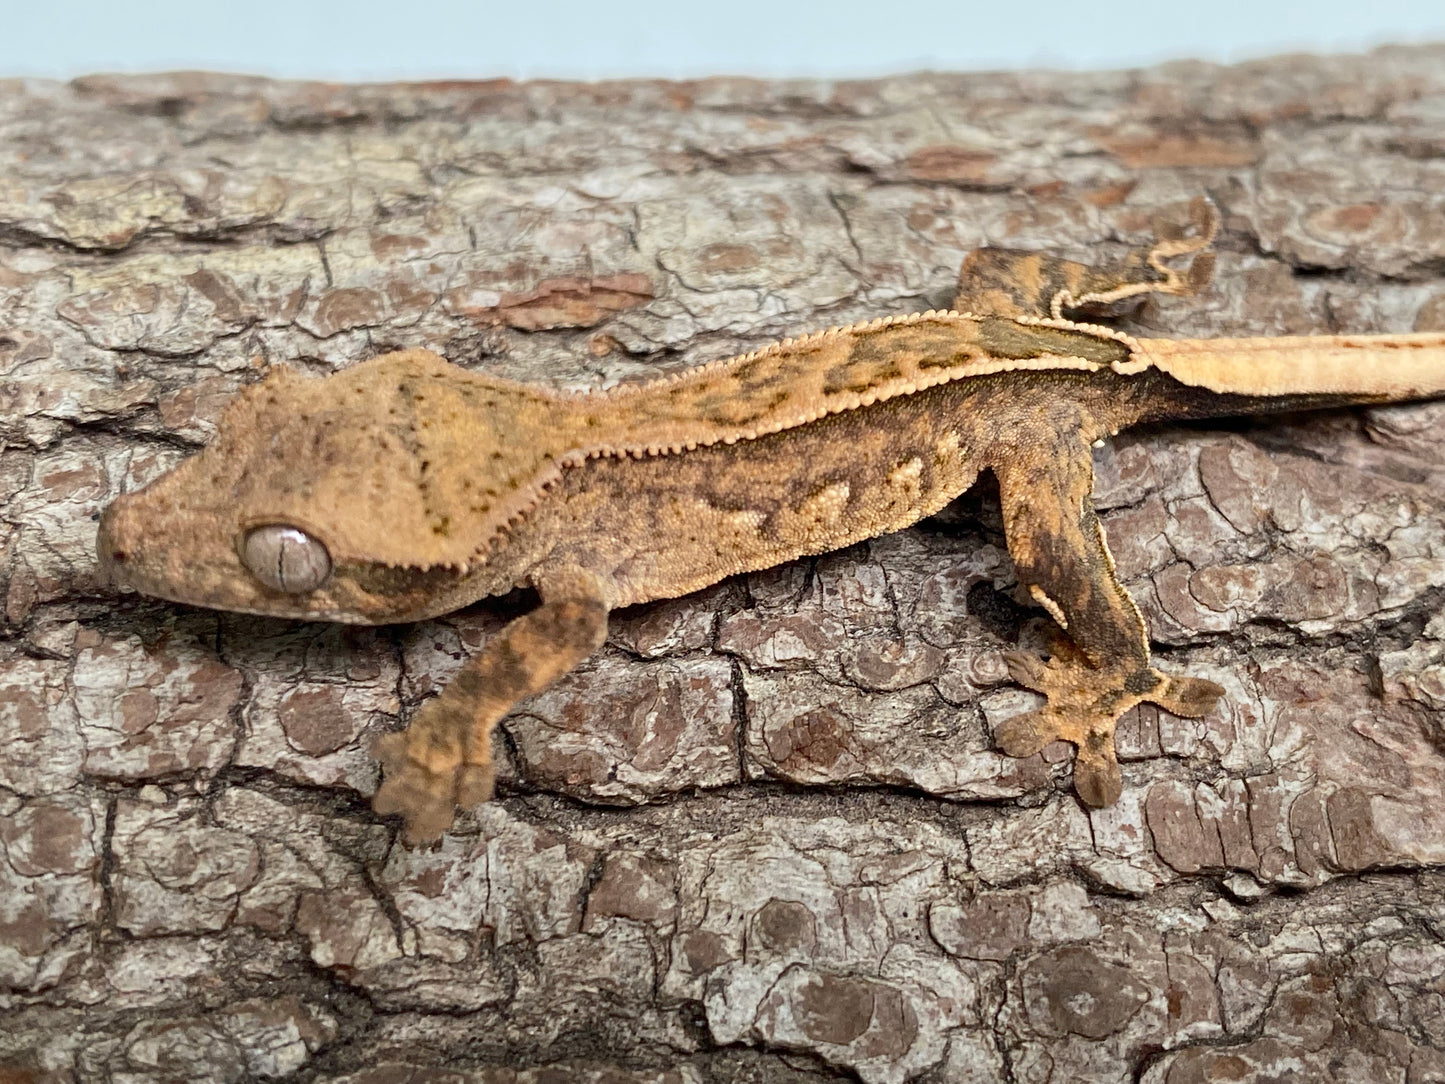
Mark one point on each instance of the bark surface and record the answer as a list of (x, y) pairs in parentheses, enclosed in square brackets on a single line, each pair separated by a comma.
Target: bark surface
[(763, 835)]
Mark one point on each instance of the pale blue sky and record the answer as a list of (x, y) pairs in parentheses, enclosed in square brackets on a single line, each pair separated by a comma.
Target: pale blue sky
[(588, 39)]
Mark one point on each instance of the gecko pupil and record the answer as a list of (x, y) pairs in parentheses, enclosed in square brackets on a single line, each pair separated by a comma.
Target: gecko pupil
[(286, 558)]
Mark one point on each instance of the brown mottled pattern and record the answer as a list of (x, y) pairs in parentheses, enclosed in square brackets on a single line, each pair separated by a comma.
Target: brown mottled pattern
[(450, 458), (763, 807), (727, 509), (799, 380), (471, 485)]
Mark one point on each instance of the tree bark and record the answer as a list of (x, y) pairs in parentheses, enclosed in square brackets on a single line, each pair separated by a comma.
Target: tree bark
[(763, 835)]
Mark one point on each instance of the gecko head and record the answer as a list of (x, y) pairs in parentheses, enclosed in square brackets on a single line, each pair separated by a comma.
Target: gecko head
[(317, 499)]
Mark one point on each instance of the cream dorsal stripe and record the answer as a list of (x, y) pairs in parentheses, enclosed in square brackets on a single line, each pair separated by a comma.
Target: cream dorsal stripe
[(1389, 366), (797, 381)]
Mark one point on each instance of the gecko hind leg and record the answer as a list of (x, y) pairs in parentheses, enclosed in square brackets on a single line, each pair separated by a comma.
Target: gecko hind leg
[(1008, 282), (1103, 668)]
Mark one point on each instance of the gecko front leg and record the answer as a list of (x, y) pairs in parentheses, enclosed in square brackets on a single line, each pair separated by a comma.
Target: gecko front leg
[(443, 759), (1104, 669)]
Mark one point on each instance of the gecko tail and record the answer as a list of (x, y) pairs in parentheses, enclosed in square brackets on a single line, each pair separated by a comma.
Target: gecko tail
[(1367, 368)]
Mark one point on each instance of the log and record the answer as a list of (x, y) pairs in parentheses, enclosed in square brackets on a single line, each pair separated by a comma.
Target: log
[(763, 835)]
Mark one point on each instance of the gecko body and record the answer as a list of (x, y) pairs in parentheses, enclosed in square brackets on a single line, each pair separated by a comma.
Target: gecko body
[(405, 487)]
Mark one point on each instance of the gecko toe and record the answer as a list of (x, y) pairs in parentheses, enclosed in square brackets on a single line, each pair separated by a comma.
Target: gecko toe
[(1187, 697), (420, 790), (474, 785), (1097, 779), (1199, 272), (425, 826), (1024, 735), (409, 791), (1026, 669), (389, 749)]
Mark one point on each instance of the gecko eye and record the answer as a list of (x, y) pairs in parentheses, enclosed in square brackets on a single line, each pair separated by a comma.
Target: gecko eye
[(286, 558)]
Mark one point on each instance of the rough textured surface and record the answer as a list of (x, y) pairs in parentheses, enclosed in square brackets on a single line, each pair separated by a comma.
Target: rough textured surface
[(761, 836)]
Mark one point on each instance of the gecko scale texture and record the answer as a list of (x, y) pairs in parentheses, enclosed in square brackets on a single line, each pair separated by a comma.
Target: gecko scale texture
[(404, 487)]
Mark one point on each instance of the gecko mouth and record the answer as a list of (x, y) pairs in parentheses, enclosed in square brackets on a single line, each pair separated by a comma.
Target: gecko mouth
[(110, 555)]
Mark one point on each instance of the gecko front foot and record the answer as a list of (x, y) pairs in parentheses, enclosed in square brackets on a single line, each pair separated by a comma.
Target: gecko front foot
[(1084, 706), (427, 771)]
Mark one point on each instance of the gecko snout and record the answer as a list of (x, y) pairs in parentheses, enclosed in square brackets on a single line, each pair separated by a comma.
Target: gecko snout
[(108, 552), (114, 542)]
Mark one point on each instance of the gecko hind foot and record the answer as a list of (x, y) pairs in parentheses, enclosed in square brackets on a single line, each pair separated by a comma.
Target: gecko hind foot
[(426, 776), (1084, 707)]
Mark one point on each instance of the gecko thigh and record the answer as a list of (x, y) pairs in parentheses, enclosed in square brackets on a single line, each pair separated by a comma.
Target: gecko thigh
[(1060, 553)]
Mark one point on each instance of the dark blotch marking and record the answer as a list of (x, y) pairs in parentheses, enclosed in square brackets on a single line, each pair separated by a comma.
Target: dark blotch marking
[(734, 412), (392, 582), (858, 375), (1004, 338), (1140, 682), (747, 370)]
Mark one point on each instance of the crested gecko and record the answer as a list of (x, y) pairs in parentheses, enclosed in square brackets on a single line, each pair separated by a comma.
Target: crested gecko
[(405, 487)]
